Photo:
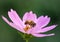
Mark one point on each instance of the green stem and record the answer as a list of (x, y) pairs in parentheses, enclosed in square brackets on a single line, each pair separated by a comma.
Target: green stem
[(26, 40)]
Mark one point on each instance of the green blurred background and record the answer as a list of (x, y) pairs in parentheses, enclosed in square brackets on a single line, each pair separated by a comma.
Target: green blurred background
[(40, 7)]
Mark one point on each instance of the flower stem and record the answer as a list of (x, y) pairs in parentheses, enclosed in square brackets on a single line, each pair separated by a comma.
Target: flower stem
[(26, 40)]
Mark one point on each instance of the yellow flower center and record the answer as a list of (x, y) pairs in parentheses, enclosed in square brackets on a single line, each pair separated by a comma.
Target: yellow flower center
[(29, 24)]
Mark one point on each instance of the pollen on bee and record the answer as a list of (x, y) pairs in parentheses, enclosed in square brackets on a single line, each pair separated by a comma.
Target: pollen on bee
[(31, 23), (27, 28)]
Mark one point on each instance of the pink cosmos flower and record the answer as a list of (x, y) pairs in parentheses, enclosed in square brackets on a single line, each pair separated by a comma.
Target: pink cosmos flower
[(30, 24)]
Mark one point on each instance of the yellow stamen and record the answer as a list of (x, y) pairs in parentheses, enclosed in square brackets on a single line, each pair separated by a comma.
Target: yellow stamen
[(29, 24), (27, 28)]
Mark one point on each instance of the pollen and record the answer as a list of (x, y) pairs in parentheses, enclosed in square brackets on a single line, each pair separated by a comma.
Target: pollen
[(27, 28), (31, 23)]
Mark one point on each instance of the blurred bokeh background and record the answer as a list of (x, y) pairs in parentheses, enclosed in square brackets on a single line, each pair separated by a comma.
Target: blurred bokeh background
[(40, 7)]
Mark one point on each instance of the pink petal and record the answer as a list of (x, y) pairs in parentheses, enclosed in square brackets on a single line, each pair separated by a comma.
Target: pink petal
[(15, 18), (29, 31), (39, 30), (13, 25), (43, 21), (48, 28), (29, 16), (42, 35)]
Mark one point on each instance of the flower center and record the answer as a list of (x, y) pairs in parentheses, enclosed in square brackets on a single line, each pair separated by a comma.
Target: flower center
[(29, 24)]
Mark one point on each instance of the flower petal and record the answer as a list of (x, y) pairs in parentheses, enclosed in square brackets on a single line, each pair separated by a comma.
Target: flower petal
[(29, 16), (38, 30), (13, 25), (29, 31), (15, 18), (42, 35), (43, 21), (48, 28)]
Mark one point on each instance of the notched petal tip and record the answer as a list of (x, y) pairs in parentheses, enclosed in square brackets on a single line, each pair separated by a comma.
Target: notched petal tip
[(46, 16), (30, 12), (51, 34), (40, 17), (8, 12), (43, 35), (48, 28), (3, 17), (55, 25), (29, 16), (11, 10)]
